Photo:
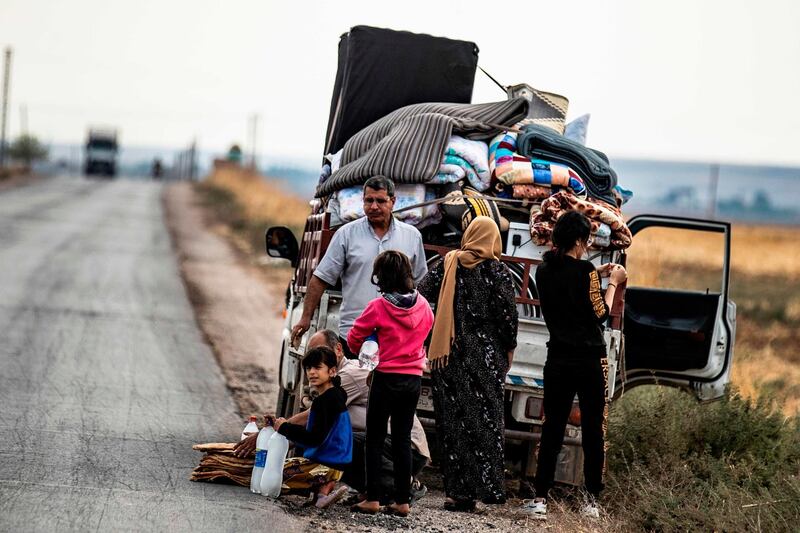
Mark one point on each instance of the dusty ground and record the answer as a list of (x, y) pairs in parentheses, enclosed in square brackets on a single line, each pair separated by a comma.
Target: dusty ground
[(239, 309)]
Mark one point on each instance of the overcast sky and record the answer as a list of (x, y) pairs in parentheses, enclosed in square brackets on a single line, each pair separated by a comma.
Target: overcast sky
[(700, 80)]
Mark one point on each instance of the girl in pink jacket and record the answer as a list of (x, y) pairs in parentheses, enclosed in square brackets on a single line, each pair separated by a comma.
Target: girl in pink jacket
[(402, 319)]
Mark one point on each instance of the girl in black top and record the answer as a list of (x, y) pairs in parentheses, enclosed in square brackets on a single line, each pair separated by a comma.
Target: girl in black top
[(574, 311)]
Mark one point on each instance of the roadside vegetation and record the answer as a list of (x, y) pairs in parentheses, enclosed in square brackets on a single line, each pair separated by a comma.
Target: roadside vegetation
[(673, 464), (246, 203), (21, 154), (676, 465), (731, 465)]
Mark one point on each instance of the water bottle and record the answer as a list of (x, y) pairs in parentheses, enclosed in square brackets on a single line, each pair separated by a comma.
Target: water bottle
[(250, 428), (261, 457), (368, 356), (271, 481)]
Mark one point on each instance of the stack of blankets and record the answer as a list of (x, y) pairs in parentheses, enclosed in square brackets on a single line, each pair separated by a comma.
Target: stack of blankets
[(220, 465), (464, 159), (496, 151), (529, 178)]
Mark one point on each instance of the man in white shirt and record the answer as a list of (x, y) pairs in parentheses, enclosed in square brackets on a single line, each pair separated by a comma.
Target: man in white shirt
[(352, 251)]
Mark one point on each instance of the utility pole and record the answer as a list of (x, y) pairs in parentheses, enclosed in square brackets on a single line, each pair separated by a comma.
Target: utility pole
[(253, 137), (712, 193), (4, 114), (192, 155)]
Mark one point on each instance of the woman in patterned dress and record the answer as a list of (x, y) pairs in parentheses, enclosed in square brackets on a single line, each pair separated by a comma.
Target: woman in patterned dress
[(474, 336)]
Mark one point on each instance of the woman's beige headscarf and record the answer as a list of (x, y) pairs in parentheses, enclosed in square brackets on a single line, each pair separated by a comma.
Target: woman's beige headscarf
[(480, 242)]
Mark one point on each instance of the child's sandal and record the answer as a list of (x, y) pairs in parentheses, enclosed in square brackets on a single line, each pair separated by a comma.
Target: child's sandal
[(323, 502)]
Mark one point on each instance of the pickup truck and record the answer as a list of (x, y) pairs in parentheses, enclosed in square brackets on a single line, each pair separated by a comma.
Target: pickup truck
[(656, 334)]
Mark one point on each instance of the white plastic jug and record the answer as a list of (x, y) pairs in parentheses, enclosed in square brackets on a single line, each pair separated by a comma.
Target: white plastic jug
[(261, 457), (271, 481), (250, 428), (368, 355)]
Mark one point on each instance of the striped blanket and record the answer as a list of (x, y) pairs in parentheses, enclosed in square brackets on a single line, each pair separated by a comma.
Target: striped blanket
[(552, 208), (408, 144), (511, 168)]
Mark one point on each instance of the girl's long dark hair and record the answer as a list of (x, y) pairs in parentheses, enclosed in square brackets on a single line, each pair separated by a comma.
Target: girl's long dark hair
[(391, 272), (322, 355), (571, 227)]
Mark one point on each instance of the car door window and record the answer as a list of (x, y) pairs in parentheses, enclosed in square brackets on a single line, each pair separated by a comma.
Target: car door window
[(677, 259)]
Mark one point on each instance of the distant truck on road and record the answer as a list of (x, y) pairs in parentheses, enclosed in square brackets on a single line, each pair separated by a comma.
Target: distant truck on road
[(100, 156)]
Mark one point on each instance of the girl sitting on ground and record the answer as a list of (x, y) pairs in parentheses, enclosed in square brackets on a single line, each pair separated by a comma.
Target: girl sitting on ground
[(402, 319), (327, 436)]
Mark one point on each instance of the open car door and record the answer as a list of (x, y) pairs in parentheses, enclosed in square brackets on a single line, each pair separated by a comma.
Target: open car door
[(679, 322)]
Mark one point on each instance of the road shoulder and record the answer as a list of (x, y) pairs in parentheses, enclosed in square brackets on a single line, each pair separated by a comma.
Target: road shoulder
[(236, 307)]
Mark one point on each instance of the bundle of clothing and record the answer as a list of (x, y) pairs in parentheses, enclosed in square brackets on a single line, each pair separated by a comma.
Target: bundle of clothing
[(348, 205), (608, 226), (464, 162), (407, 145), (540, 143), (464, 159), (462, 205), (220, 465)]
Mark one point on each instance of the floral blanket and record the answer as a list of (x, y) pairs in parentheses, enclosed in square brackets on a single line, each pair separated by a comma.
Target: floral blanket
[(542, 221)]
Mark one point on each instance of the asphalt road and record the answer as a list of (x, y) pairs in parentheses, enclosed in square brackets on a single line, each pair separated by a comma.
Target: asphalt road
[(105, 382)]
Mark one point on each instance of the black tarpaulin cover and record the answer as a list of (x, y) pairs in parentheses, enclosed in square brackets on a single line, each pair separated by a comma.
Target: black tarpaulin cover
[(381, 70)]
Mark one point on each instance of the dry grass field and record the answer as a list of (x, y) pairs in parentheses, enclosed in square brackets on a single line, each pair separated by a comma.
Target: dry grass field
[(765, 284), (261, 200), (246, 204)]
